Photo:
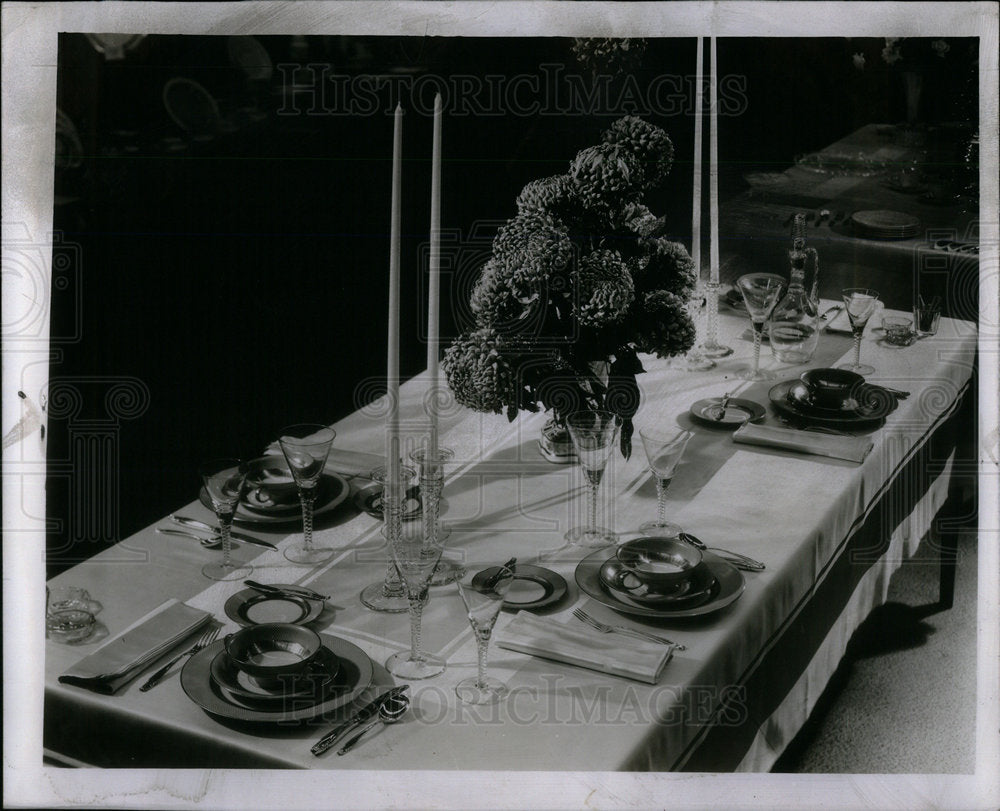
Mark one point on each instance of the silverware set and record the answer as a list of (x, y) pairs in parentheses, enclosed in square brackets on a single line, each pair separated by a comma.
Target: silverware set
[(214, 539), (392, 704)]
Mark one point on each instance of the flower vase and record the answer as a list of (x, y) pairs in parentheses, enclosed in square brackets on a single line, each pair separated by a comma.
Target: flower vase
[(555, 443)]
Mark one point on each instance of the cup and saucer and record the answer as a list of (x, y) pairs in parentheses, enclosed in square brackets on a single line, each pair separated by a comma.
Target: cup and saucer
[(657, 572), (834, 396)]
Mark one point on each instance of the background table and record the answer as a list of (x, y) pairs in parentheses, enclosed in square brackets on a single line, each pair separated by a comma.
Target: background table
[(831, 533)]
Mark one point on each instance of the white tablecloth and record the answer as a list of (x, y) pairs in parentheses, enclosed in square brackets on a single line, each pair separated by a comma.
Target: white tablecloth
[(794, 512)]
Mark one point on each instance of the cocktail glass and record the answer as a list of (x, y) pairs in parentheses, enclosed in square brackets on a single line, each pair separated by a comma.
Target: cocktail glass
[(306, 448), (761, 292), (593, 434), (483, 588), (224, 481), (663, 452), (860, 305)]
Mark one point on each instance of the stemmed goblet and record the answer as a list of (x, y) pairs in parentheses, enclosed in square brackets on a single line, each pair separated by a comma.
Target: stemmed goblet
[(593, 434), (663, 452), (761, 292), (389, 594), (860, 305), (431, 467), (306, 448), (224, 480), (415, 557), (483, 588)]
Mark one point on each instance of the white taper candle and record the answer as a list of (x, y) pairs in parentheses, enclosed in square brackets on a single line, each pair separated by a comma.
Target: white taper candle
[(392, 448), (434, 282)]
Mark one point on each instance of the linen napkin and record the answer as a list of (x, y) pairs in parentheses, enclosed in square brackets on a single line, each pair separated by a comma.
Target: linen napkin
[(851, 448), (121, 659), (616, 654)]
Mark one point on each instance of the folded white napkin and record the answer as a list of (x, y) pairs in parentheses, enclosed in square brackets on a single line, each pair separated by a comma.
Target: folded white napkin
[(851, 448), (116, 663), (609, 653)]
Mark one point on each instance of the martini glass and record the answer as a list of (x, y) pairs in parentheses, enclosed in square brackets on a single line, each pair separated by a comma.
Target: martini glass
[(760, 293), (389, 594), (860, 304), (663, 452), (224, 481), (306, 447), (483, 588), (415, 557), (593, 435)]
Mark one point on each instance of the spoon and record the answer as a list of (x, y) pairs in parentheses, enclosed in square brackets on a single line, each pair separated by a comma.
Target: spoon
[(738, 560), (208, 543), (723, 405), (389, 712)]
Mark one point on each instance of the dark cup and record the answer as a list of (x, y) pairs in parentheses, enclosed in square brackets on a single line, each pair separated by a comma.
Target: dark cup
[(273, 649), (660, 564), (830, 388)]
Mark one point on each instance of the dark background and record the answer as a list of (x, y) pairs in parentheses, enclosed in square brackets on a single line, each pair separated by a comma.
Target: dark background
[(233, 277)]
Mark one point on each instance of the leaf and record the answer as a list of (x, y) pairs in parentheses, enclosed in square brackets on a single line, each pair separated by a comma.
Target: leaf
[(626, 438)]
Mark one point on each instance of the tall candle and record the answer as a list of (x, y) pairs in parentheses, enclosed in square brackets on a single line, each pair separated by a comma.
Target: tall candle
[(696, 202), (434, 284), (392, 367), (713, 168)]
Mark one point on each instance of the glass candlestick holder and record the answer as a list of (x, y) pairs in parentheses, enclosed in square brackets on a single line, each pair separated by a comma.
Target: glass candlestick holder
[(389, 595), (431, 468)]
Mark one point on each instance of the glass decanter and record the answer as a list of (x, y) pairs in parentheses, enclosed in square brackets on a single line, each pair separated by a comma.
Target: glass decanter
[(794, 330)]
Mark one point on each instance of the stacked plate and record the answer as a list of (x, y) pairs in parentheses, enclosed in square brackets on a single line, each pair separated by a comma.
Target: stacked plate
[(712, 587), (881, 224), (338, 675), (866, 406), (272, 498)]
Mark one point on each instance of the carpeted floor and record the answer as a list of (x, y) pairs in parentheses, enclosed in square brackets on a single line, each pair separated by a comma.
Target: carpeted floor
[(903, 701)]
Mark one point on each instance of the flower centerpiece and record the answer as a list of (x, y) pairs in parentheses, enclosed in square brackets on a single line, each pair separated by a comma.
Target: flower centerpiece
[(580, 280)]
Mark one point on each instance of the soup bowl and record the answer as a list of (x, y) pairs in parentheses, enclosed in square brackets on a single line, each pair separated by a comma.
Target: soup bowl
[(273, 649)]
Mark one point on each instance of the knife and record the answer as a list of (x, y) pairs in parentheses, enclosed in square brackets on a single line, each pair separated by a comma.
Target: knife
[(367, 712), (213, 540), (293, 591), (236, 536)]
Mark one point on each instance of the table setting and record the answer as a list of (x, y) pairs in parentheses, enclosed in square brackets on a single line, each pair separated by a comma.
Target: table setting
[(452, 588)]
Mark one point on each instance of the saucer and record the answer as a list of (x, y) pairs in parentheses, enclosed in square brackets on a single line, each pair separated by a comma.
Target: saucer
[(533, 587), (252, 607), (738, 411), (696, 588)]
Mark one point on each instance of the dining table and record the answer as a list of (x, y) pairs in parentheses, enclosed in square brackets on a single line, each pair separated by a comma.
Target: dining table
[(920, 176), (831, 533)]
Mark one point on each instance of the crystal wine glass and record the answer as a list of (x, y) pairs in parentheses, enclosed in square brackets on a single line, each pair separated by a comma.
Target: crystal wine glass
[(761, 292), (664, 452), (593, 434), (306, 448), (415, 557), (860, 305), (389, 594), (224, 481), (483, 588)]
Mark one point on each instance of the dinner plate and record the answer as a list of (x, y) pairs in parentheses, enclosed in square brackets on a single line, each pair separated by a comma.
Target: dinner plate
[(533, 587), (252, 607), (863, 416), (738, 411), (727, 589), (369, 500), (313, 685), (355, 674), (332, 490)]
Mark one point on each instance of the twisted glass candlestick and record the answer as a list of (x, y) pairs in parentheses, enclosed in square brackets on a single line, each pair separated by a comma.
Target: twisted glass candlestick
[(711, 347), (435, 533), (389, 595)]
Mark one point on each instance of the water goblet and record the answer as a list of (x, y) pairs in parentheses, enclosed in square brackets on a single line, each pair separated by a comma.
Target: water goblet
[(663, 452), (593, 434), (415, 557), (389, 594), (483, 588), (224, 481), (761, 292), (860, 305), (306, 448)]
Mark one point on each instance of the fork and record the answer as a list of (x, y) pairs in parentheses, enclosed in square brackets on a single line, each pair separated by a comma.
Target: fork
[(204, 640), (597, 625)]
